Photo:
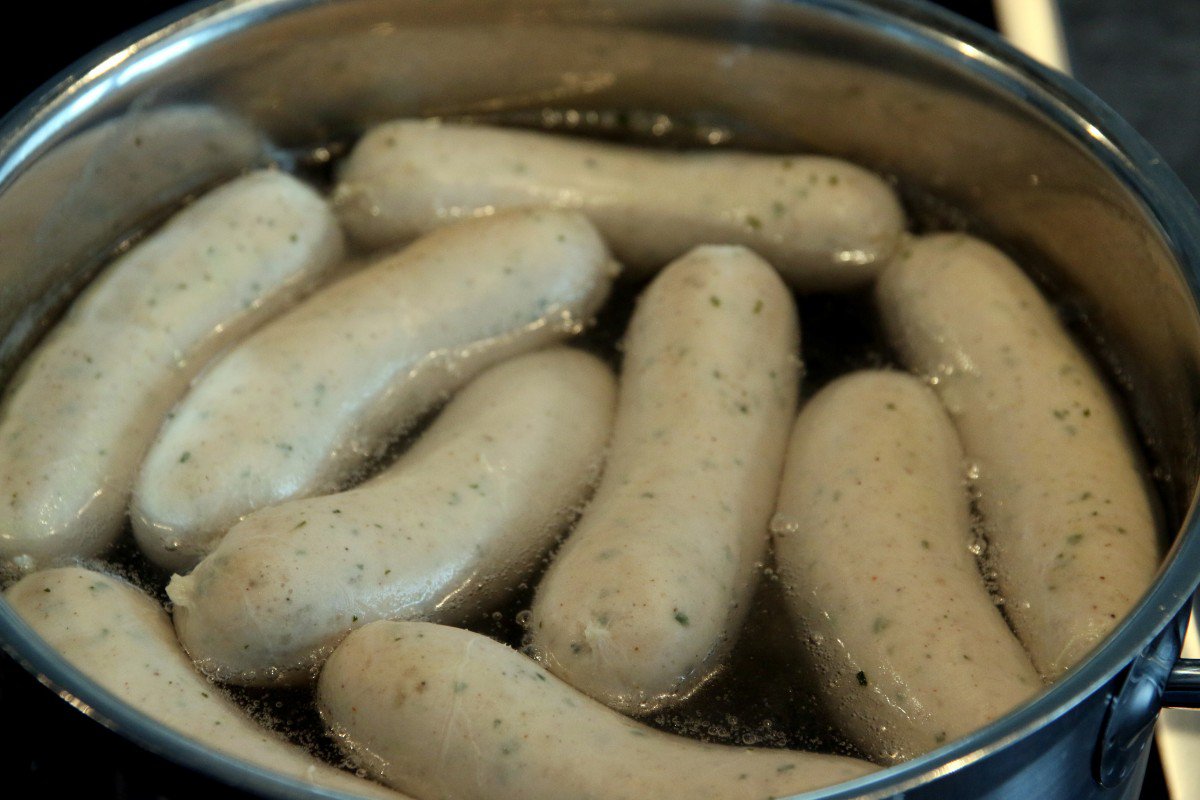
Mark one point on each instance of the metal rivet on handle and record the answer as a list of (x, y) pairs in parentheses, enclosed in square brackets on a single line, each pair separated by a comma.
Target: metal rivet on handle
[(1134, 707)]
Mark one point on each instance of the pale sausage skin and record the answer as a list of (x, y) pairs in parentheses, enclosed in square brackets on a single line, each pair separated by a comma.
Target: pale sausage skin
[(298, 408), (122, 639), (444, 534), (80, 414), (440, 712), (872, 540), (824, 223), (1069, 522), (645, 596)]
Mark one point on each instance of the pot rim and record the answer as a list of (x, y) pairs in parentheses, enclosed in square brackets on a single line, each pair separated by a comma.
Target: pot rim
[(982, 53)]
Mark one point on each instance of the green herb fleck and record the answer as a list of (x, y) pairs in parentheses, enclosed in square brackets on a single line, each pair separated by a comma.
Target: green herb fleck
[(862, 678), (716, 301), (682, 618), (183, 459)]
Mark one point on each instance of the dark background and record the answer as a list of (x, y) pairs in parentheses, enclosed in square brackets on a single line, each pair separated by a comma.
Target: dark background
[(1142, 58)]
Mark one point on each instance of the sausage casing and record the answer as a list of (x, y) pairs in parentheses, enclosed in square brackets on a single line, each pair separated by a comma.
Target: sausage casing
[(1068, 519), (442, 712), (647, 593), (445, 534), (872, 539), (298, 408), (824, 223), (88, 402)]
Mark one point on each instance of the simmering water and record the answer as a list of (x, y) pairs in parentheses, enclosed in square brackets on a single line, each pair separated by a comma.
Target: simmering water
[(764, 695)]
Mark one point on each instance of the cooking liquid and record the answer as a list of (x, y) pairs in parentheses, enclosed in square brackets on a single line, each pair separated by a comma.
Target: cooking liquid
[(764, 694)]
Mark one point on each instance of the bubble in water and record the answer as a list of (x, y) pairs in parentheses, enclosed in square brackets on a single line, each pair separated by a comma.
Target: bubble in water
[(783, 524), (523, 617)]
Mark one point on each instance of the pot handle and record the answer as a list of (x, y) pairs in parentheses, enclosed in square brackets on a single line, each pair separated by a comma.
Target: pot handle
[(1182, 689)]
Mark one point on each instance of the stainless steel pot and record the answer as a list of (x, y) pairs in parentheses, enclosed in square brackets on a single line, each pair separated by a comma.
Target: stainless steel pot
[(1022, 155)]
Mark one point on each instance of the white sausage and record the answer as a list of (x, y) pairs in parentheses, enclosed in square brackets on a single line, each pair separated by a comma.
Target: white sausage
[(441, 712), (445, 534), (872, 540), (824, 223), (1071, 531), (643, 599), (121, 638), (297, 408), (88, 402)]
